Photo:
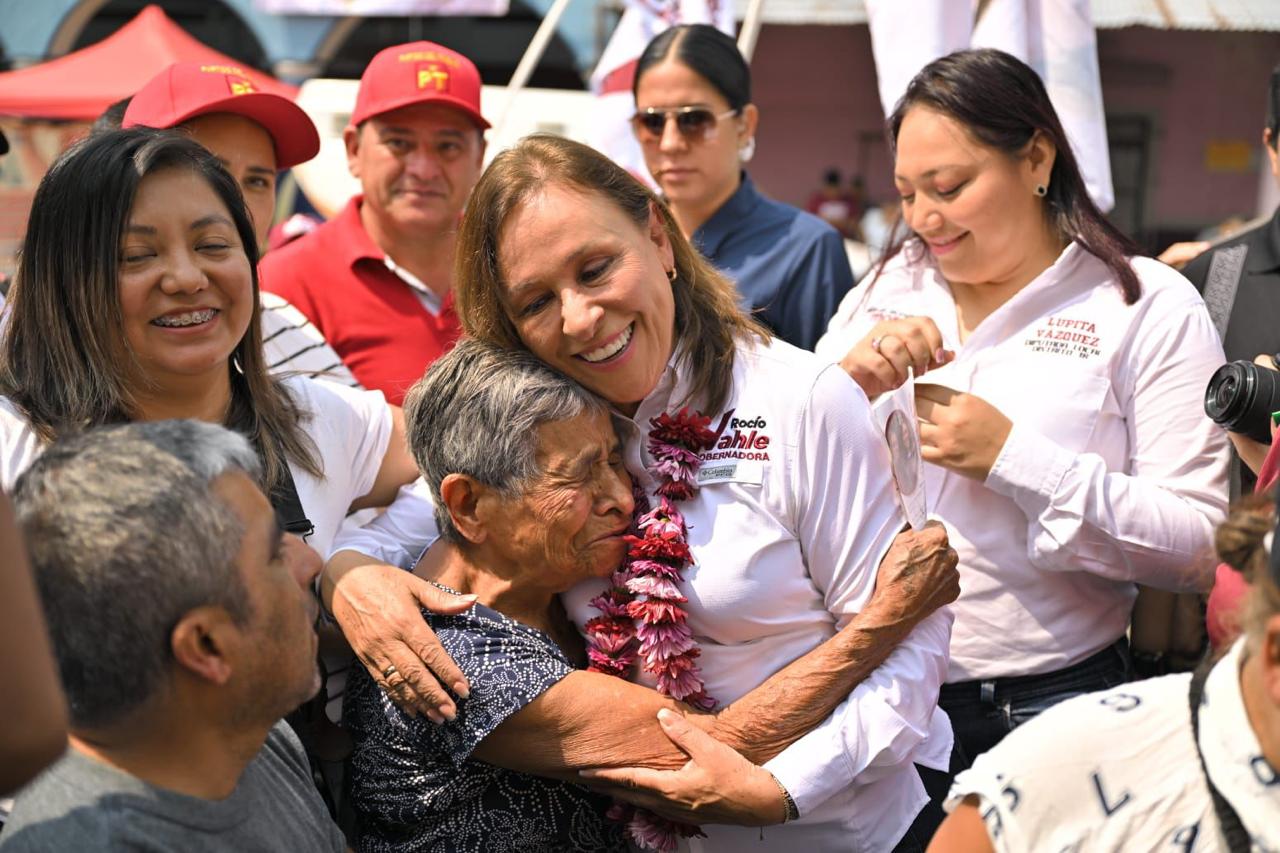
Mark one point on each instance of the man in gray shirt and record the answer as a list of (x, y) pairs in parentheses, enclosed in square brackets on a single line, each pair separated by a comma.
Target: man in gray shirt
[(182, 622)]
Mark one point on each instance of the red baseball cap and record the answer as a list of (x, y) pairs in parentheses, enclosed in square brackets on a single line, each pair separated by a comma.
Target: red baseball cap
[(186, 90), (420, 72)]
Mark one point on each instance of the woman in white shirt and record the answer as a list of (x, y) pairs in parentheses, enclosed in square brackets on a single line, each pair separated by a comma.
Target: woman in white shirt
[(1061, 414), (135, 299), (564, 254), (1181, 762)]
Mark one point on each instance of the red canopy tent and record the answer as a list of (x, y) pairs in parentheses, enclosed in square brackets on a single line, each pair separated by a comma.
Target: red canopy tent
[(81, 85)]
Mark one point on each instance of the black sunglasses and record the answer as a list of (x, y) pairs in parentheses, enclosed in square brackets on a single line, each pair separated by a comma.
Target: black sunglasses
[(696, 124)]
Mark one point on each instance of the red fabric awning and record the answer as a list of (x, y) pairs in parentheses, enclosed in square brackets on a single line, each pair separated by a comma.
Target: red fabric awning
[(82, 84)]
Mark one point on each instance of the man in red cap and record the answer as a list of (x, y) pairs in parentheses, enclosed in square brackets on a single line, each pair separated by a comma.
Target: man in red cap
[(255, 134), (377, 279)]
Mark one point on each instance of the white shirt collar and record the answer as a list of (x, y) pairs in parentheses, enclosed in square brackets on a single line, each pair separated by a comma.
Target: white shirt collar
[(430, 299)]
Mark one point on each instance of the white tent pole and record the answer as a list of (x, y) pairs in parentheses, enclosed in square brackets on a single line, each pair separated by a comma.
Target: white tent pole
[(530, 60), (751, 29)]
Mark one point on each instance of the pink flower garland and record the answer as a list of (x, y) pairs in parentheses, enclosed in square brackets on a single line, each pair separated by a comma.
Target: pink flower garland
[(641, 617)]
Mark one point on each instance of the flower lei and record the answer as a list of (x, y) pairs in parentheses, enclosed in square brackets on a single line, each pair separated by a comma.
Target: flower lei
[(641, 614)]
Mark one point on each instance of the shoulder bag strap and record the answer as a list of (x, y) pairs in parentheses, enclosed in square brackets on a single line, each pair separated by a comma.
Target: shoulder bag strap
[(1221, 283), (288, 506)]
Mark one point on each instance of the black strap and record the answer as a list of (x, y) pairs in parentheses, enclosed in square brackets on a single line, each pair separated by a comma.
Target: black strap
[(288, 506), (1233, 831)]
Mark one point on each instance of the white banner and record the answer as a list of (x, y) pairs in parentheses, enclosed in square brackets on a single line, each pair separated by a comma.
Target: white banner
[(495, 8), (1055, 37), (641, 21)]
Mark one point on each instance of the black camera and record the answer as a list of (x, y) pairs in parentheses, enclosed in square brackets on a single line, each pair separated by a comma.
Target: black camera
[(1241, 397)]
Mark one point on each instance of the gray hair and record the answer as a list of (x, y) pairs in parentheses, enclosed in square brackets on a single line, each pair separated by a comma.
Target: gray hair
[(477, 412), (126, 536)]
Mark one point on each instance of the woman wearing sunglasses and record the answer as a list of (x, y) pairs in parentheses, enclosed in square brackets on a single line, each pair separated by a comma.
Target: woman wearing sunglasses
[(696, 126)]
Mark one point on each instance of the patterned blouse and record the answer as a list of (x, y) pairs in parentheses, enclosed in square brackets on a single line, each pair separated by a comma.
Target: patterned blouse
[(415, 786)]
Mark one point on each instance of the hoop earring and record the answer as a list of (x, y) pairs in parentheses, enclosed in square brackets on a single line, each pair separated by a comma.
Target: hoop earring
[(671, 275), (1042, 190), (235, 362)]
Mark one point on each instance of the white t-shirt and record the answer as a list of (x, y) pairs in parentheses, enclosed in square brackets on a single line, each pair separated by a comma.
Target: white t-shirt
[(796, 508), (351, 430), (1118, 770), (1112, 474)]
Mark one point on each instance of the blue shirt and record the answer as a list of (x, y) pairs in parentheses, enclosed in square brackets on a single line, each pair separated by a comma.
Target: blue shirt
[(790, 267)]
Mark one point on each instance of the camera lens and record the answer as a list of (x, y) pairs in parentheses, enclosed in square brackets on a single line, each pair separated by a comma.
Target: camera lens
[(1241, 397)]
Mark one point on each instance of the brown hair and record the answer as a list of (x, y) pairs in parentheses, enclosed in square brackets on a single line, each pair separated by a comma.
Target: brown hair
[(1003, 104), (1239, 542), (708, 318), (64, 361)]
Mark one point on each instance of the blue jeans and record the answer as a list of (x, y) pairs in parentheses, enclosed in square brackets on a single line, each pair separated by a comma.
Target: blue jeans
[(983, 712)]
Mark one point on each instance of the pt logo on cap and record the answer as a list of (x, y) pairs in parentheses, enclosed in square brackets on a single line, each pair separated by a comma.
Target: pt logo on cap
[(432, 75), (240, 85)]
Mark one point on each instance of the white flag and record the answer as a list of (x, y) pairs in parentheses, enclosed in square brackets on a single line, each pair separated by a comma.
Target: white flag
[(496, 8), (1055, 37), (641, 21), (906, 35)]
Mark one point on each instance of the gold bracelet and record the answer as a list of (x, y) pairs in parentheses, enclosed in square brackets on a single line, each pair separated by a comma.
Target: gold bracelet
[(793, 812)]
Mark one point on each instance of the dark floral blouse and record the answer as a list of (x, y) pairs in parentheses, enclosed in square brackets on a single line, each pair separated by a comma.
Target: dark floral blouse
[(415, 786)]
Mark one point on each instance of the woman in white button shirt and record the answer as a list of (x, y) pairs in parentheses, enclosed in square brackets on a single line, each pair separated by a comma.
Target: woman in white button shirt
[(564, 254), (1061, 412)]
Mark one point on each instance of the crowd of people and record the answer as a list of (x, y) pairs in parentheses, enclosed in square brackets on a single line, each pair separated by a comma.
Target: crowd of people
[(638, 575)]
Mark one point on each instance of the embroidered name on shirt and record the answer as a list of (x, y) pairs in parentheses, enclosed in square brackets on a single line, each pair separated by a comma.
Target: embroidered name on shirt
[(884, 313), (1065, 336), (739, 438)]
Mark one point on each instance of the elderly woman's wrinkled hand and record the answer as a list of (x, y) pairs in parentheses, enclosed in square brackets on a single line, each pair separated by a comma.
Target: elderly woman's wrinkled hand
[(918, 575), (378, 607), (881, 361), (716, 785)]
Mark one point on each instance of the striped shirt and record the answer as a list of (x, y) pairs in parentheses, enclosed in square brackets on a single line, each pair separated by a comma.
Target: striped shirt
[(293, 345)]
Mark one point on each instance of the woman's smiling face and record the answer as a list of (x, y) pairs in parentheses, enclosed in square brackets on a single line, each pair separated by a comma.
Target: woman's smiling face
[(587, 291), (185, 286), (974, 207)]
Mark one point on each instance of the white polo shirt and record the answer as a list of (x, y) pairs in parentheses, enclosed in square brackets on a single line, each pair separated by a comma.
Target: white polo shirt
[(787, 530), (1112, 475)]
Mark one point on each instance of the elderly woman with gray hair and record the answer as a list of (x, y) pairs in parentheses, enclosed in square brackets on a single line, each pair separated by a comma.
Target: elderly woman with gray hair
[(531, 499)]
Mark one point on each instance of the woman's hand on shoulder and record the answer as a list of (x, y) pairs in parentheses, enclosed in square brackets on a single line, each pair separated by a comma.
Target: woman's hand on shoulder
[(378, 607), (881, 360), (960, 431), (716, 785)]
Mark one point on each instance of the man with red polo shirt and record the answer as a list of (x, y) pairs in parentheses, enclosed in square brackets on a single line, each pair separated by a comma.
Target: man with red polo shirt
[(377, 280)]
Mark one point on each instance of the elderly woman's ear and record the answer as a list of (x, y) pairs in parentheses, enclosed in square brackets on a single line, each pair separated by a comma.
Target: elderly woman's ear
[(468, 503)]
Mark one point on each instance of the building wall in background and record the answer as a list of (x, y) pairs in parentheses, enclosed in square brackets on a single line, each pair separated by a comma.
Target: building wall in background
[(1200, 95)]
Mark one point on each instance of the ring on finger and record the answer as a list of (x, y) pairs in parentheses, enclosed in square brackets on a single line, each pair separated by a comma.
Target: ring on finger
[(389, 671), (877, 342)]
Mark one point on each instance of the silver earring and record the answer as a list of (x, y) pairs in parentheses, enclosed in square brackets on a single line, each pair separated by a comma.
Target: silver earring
[(235, 362), (747, 150), (1041, 190)]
